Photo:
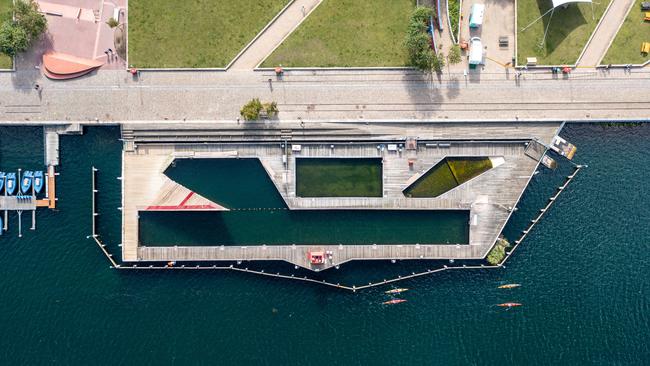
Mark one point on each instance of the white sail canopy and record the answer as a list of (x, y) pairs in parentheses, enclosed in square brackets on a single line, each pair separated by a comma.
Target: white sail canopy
[(557, 3)]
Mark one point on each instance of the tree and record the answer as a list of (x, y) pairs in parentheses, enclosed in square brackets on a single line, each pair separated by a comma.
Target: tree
[(438, 62), (28, 17), (454, 54), (13, 39), (112, 23), (251, 110), (418, 42), (28, 24)]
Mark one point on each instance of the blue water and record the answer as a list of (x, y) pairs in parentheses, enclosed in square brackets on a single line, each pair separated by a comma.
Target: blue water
[(584, 271)]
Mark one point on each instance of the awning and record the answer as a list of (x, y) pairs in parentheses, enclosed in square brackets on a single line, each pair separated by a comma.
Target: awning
[(557, 3)]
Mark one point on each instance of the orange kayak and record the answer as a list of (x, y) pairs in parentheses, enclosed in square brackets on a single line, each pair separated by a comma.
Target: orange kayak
[(510, 285), (509, 304), (394, 301)]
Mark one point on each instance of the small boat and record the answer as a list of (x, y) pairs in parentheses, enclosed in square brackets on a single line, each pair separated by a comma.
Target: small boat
[(38, 181), (2, 180), (510, 285), (26, 181), (396, 291), (11, 183), (509, 304), (394, 301), (1, 227)]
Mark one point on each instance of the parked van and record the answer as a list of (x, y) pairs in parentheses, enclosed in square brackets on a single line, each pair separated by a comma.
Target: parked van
[(476, 15), (475, 52)]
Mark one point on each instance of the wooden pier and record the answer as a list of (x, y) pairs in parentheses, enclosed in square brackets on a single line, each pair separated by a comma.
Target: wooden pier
[(489, 198)]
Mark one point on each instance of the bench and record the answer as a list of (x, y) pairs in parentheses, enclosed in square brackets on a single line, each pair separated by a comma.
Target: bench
[(645, 47)]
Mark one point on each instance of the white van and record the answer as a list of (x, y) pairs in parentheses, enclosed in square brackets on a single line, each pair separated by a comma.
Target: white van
[(475, 51), (476, 15)]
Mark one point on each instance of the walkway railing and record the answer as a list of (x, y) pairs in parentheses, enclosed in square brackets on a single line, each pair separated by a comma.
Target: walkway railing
[(352, 288)]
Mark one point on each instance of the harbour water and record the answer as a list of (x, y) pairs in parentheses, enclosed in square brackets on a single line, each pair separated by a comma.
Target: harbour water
[(584, 271)]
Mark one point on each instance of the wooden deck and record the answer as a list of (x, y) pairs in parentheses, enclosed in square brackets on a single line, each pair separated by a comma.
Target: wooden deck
[(489, 197)]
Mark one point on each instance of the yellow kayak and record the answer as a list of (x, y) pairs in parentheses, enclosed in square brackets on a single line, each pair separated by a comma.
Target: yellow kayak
[(510, 285)]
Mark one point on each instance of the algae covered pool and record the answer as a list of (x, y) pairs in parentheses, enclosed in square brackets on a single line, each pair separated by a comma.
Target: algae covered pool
[(338, 177), (259, 215)]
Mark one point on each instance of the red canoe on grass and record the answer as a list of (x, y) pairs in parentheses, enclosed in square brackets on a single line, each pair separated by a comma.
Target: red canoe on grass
[(394, 301)]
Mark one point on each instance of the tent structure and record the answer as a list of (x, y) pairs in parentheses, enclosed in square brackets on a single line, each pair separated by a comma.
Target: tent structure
[(556, 4)]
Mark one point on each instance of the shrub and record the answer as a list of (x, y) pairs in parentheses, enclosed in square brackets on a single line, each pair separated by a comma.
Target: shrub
[(112, 22), (251, 111), (498, 252), (13, 39), (454, 54)]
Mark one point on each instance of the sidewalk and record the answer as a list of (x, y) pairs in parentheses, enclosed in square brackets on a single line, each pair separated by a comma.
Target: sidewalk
[(605, 33), (275, 34)]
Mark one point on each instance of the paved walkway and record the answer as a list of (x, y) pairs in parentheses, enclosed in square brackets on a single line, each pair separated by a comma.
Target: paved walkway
[(275, 34), (606, 32), (114, 95)]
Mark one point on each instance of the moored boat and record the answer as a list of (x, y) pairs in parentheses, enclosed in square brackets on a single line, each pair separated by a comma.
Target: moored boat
[(509, 304), (2, 180), (394, 301), (26, 181), (38, 181), (396, 291), (10, 184), (1, 227), (510, 285)]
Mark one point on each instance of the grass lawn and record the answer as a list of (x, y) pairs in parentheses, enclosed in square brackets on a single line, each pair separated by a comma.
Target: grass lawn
[(627, 45), (568, 33), (197, 33), (454, 16), (334, 177), (348, 33), (447, 175), (5, 5)]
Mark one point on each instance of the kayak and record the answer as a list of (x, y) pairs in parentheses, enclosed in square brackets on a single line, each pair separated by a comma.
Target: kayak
[(396, 291), (394, 301), (509, 304), (510, 285)]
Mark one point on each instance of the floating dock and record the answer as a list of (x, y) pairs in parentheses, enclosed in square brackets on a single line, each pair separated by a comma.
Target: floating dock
[(489, 198)]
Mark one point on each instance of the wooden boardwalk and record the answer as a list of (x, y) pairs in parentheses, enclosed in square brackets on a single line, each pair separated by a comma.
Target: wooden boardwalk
[(489, 197)]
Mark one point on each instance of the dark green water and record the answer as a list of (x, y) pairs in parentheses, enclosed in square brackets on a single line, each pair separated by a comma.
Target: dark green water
[(284, 227), (259, 215), (584, 271)]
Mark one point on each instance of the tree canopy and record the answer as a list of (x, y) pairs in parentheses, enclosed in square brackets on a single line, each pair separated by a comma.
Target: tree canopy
[(28, 24)]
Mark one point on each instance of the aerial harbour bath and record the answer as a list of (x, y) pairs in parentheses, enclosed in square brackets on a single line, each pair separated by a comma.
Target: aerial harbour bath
[(369, 182)]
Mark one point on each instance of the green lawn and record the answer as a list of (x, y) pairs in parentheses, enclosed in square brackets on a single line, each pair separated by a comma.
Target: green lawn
[(348, 33), (338, 177), (447, 175), (196, 33), (5, 5), (567, 35), (627, 45)]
